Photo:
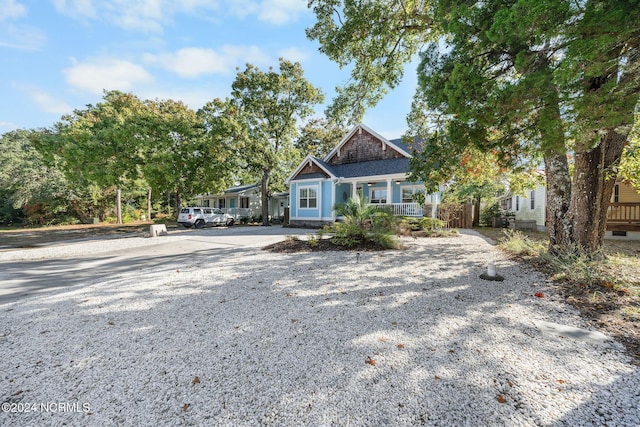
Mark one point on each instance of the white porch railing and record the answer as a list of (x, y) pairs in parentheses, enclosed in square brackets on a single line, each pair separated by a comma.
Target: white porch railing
[(402, 209), (237, 212)]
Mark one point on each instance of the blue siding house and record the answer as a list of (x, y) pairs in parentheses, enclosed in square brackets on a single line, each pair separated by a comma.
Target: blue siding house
[(364, 163)]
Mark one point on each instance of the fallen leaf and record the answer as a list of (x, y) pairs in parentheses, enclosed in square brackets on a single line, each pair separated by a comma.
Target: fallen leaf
[(539, 295), (452, 351), (370, 361), (382, 339), (561, 381), (510, 383), (400, 345), (195, 381), (501, 398), (178, 271), (437, 377), (111, 323), (185, 407), (294, 320)]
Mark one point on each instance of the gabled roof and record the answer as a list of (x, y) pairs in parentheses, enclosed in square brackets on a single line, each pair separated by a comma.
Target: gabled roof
[(307, 160), (397, 145)]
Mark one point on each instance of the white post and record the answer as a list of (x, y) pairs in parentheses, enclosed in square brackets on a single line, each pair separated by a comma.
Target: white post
[(354, 189), (389, 198)]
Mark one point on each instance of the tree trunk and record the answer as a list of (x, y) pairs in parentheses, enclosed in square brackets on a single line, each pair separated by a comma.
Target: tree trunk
[(594, 177), (149, 204), (264, 186), (118, 205), (476, 212), (178, 201), (558, 200)]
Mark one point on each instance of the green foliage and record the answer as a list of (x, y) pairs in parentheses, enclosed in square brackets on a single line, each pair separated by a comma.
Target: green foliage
[(363, 223), (318, 137), (518, 243), (32, 190), (259, 122), (489, 213)]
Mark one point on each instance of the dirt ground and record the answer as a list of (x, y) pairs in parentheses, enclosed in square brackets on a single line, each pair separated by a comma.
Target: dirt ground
[(32, 237), (613, 310)]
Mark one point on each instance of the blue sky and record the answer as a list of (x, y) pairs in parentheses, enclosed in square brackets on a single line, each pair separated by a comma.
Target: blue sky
[(58, 55)]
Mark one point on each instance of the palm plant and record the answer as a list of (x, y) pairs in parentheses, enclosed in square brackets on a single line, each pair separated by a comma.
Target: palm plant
[(363, 222)]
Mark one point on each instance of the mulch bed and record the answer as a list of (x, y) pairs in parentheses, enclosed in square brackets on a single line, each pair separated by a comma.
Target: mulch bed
[(320, 245)]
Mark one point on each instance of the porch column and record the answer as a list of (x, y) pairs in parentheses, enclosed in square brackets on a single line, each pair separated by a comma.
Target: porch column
[(354, 189), (389, 195)]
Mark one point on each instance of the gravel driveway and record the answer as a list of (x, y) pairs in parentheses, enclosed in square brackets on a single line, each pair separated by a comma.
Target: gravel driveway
[(241, 336)]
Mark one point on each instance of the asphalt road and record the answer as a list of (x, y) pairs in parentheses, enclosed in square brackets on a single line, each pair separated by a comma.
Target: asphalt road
[(19, 279)]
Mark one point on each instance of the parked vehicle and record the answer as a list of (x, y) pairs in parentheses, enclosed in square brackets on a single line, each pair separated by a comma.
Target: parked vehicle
[(200, 217)]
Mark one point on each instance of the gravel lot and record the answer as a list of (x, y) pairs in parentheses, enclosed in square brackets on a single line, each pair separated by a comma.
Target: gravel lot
[(241, 336)]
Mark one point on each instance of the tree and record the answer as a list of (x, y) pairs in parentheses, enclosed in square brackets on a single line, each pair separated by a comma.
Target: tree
[(262, 115), (516, 77), (100, 143), (28, 183), (319, 136), (179, 154)]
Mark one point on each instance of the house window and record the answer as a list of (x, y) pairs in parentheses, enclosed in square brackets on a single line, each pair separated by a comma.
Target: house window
[(222, 203), (308, 198), (517, 203), (532, 197), (378, 196), (244, 202), (408, 193), (616, 193)]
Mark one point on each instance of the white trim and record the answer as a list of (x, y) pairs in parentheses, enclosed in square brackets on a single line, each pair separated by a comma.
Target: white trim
[(359, 128), (301, 187), (376, 178), (301, 166), (320, 191), (386, 200)]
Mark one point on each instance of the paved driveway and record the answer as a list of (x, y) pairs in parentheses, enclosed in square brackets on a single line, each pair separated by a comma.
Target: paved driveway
[(61, 264)]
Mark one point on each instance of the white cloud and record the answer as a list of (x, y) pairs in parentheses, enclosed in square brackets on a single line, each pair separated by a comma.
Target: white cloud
[(8, 126), (22, 37), (11, 9), (78, 9), (106, 74), (294, 54), (192, 62), (280, 12), (47, 103), (135, 15)]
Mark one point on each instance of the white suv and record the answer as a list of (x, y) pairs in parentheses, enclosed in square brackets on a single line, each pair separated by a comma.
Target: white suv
[(201, 217)]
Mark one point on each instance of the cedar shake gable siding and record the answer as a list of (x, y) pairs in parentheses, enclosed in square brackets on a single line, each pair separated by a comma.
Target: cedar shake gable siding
[(363, 147), (311, 170)]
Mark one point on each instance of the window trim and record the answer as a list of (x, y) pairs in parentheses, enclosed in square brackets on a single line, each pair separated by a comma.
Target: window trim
[(307, 198), (532, 197), (415, 189), (380, 202)]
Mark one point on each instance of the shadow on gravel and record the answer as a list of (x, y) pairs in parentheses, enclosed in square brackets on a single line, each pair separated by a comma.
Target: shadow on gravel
[(401, 337)]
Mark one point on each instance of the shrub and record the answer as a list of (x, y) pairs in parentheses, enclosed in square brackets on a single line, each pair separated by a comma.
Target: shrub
[(363, 223)]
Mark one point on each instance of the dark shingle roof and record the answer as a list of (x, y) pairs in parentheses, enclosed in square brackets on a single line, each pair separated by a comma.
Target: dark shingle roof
[(372, 168), (240, 188)]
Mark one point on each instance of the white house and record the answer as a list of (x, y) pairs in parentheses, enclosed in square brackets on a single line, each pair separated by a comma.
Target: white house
[(623, 216), (244, 201)]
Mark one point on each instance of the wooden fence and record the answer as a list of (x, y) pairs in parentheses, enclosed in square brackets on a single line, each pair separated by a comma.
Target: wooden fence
[(456, 216)]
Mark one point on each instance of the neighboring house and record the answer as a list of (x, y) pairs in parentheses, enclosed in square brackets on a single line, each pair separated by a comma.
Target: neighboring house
[(623, 217), (244, 201), (363, 163), (530, 209)]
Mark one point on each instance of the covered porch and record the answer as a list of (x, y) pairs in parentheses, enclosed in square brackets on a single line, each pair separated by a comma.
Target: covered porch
[(623, 217), (404, 198)]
